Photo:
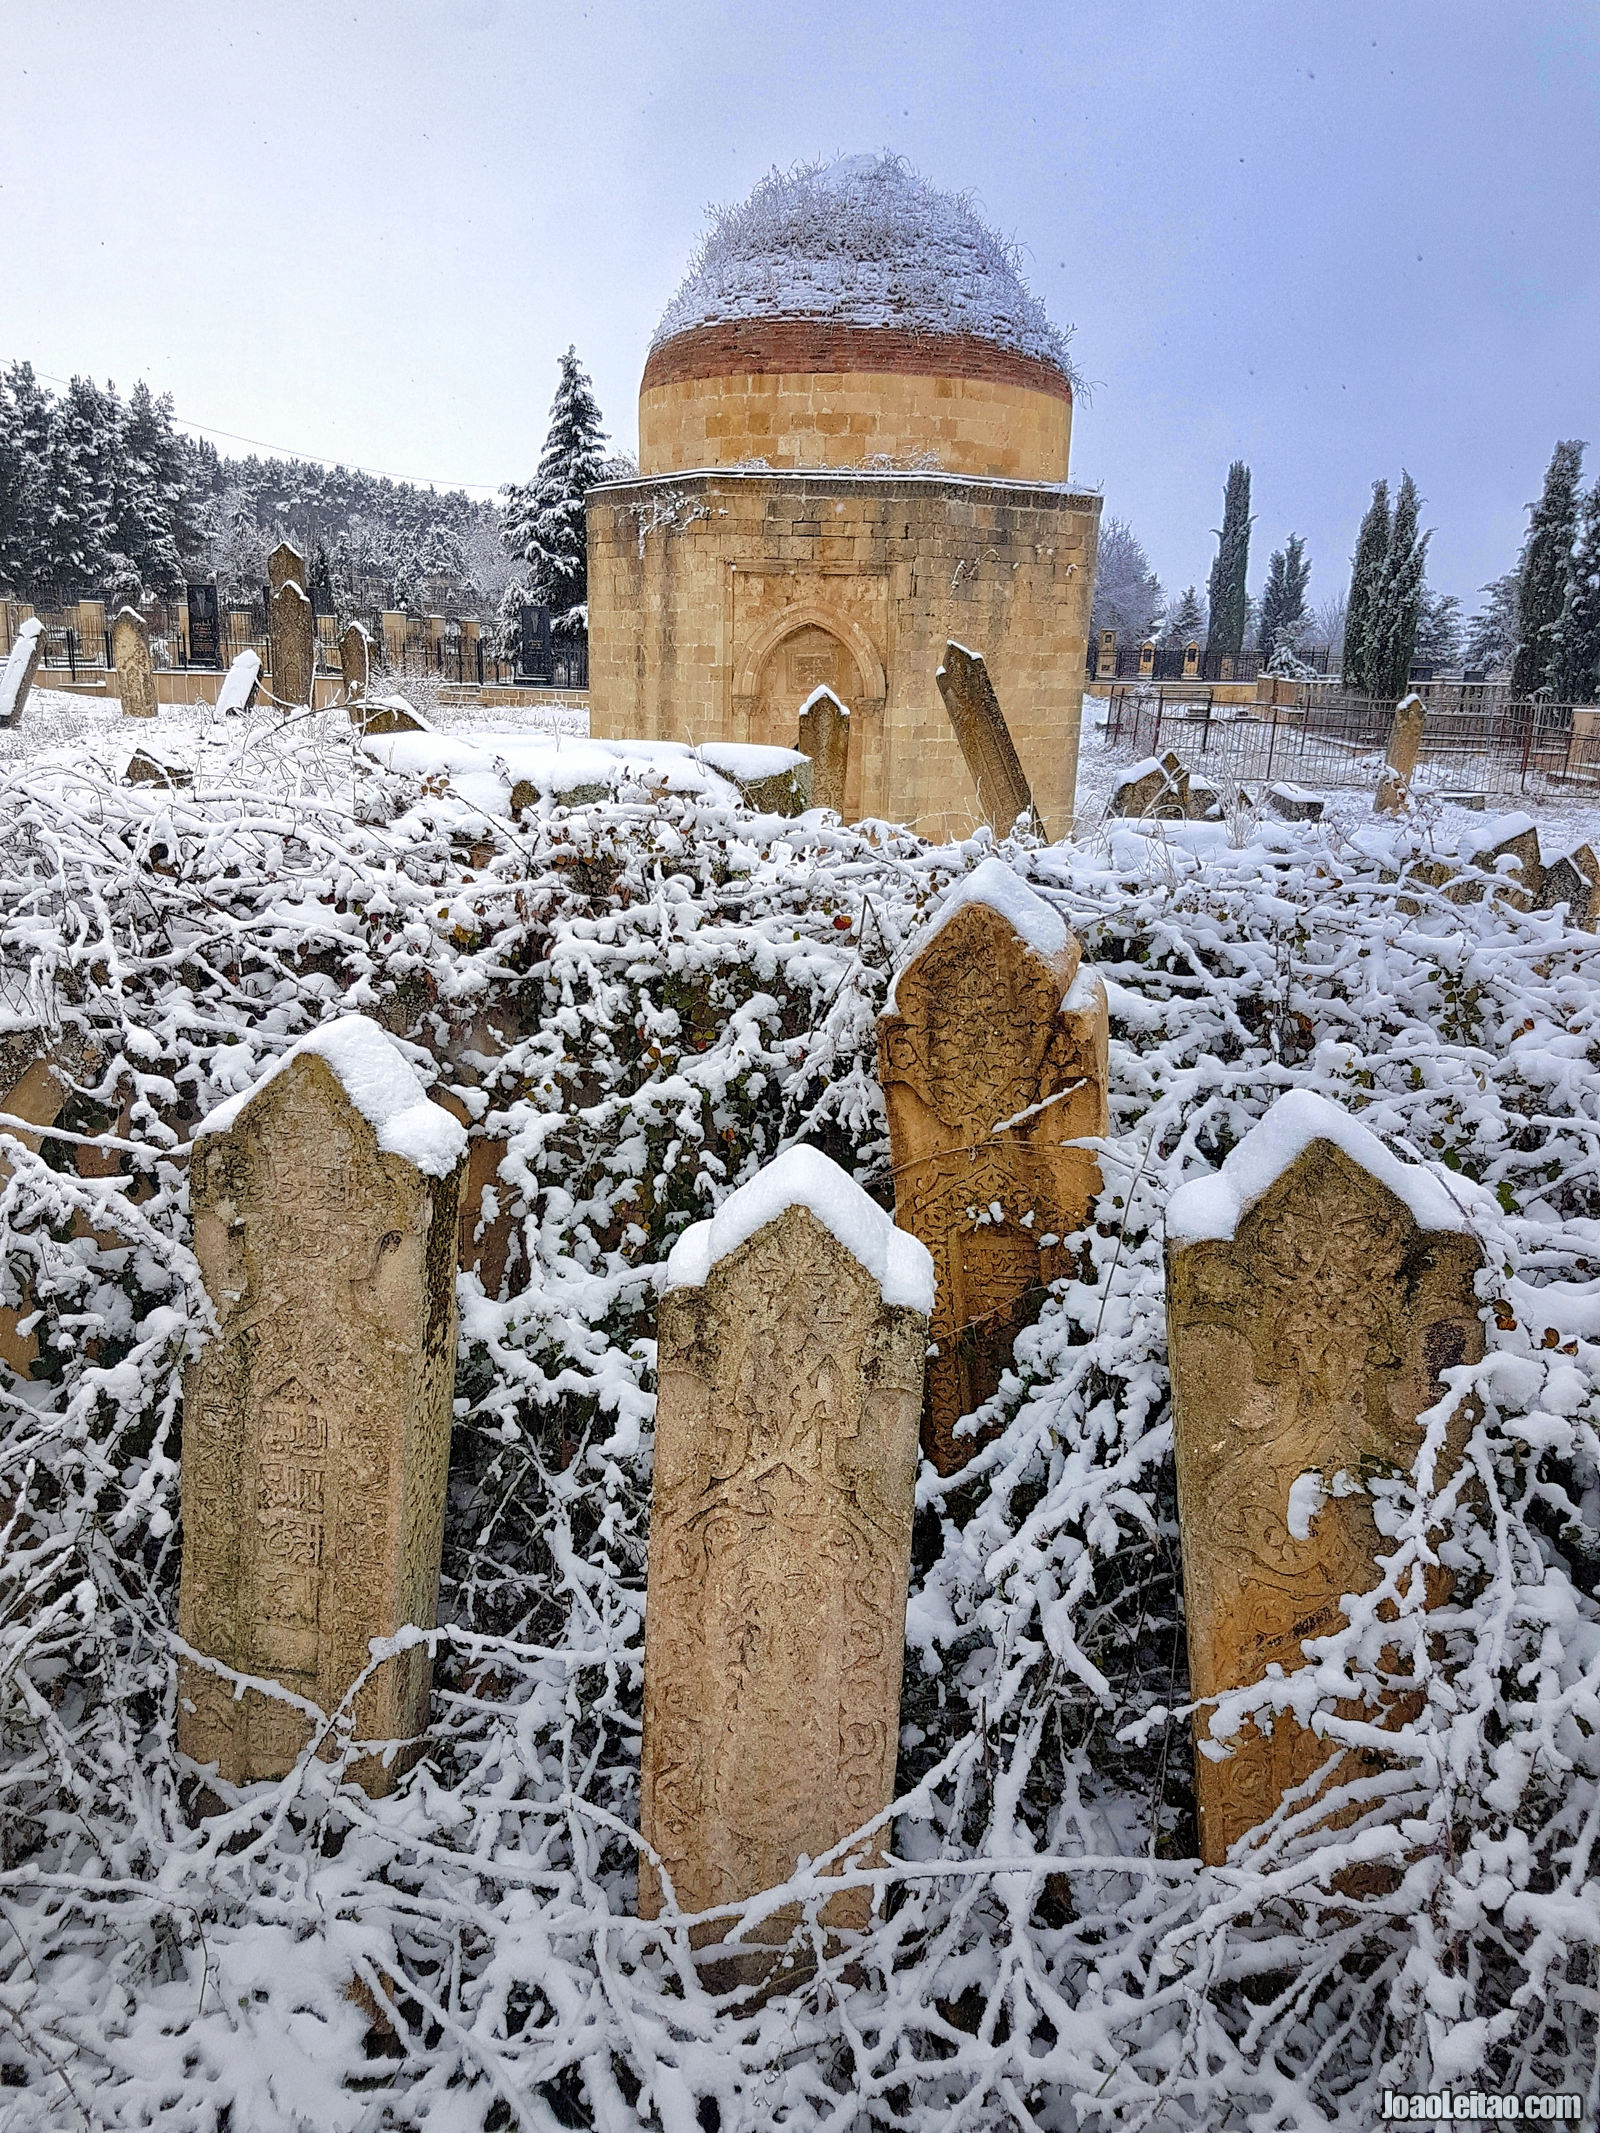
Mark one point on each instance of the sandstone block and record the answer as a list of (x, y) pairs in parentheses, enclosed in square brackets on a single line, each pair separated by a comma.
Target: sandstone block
[(285, 565), (1574, 880), (316, 1431), (130, 655), (1400, 763), (294, 643), (992, 1055), (791, 1339), (355, 659), (1316, 1288)]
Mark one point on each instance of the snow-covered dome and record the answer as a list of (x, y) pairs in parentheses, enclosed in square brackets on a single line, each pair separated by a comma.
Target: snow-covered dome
[(863, 241), (849, 314)]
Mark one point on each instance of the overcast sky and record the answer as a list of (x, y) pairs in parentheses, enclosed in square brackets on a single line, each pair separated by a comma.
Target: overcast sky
[(1331, 237)]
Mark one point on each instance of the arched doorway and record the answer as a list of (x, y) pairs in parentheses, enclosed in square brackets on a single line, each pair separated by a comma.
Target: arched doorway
[(810, 657)]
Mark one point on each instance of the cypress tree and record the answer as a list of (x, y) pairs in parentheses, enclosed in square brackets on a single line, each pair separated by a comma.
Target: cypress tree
[(1397, 599), (1283, 602), (545, 526), (1575, 667), (1228, 600), (1366, 568), (1545, 568)]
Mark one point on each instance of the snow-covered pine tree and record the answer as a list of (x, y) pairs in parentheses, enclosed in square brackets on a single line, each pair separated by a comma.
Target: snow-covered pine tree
[(152, 511), (1492, 632), (24, 443), (1283, 602), (1575, 668), (73, 553), (1186, 619), (1366, 569), (1397, 600), (545, 530), (1439, 630), (1544, 570), (1228, 601)]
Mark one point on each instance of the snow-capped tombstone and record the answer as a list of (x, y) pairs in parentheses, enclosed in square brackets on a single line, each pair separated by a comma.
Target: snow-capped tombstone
[(1509, 849), (790, 1340), (1147, 657), (147, 767), (980, 727), (1573, 879), (284, 564), (1106, 657), (1191, 660), (1400, 763), (387, 714), (130, 655), (239, 684), (317, 1420), (294, 643), (824, 736), (1159, 786), (1316, 1288), (773, 781), (22, 663), (355, 660), (992, 1056)]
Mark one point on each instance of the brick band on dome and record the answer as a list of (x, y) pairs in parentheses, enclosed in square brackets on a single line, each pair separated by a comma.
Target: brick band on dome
[(797, 347)]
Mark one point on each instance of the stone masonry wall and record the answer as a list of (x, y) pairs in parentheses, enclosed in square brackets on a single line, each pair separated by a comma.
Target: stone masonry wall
[(718, 601)]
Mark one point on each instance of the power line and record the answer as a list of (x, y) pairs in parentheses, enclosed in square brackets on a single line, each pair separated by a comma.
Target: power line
[(284, 451)]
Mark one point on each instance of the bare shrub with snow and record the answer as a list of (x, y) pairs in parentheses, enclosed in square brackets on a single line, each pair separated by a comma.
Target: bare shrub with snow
[(646, 999)]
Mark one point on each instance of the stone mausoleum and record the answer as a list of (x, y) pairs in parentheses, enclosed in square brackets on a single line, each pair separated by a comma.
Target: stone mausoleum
[(854, 427)]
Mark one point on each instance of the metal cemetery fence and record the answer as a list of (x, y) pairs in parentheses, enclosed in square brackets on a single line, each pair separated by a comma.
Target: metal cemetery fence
[(1475, 741)]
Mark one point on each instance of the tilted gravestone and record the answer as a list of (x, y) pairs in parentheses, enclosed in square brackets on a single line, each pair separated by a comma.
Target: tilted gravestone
[(316, 1430), (985, 738), (130, 655), (791, 1337), (824, 736), (239, 684), (1316, 1288), (1400, 763), (16, 676), (1573, 879), (355, 660), (992, 1056)]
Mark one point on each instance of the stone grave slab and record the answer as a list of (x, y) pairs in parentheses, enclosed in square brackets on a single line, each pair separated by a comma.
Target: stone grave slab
[(791, 1338), (130, 655), (986, 744), (992, 1055), (1316, 1288), (823, 731), (316, 1431)]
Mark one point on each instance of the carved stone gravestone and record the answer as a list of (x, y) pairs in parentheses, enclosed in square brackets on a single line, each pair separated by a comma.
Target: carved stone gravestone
[(824, 736), (1191, 660), (355, 660), (316, 1429), (1316, 1287), (1106, 655), (284, 564), (791, 1338), (1147, 656), (1405, 745), (294, 643), (1573, 879), (130, 655), (22, 663), (992, 1055), (980, 727)]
